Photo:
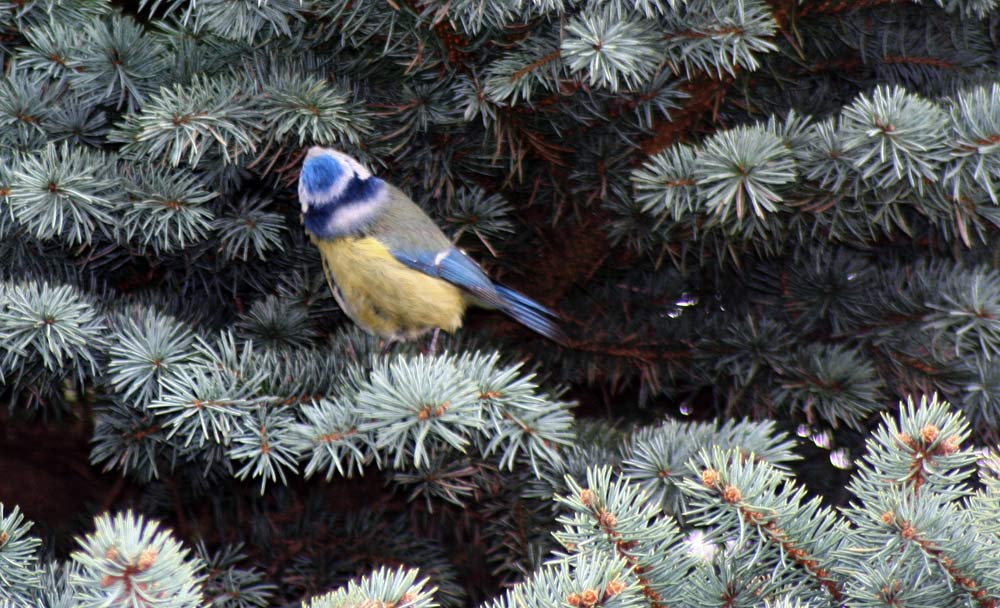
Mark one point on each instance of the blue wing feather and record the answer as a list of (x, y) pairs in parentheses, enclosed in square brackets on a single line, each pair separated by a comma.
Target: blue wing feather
[(459, 269), (452, 266), (532, 314)]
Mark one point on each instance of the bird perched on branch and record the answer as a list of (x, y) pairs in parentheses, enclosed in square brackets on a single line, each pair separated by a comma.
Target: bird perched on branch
[(390, 267)]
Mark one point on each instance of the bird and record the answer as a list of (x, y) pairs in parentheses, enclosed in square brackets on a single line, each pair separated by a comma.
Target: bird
[(391, 269)]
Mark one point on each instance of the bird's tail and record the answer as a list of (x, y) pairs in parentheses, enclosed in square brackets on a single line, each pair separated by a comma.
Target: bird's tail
[(531, 314)]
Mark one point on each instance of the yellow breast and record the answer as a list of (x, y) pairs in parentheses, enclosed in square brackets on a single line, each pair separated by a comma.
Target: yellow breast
[(384, 296)]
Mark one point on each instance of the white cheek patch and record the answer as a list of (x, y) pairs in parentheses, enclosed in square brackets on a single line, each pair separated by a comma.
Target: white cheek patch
[(349, 218), (331, 192)]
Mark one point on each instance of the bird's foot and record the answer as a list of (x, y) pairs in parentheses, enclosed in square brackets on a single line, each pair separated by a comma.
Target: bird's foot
[(388, 346), (432, 347)]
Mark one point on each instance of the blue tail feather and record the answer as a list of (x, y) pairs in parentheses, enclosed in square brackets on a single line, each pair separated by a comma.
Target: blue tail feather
[(531, 314)]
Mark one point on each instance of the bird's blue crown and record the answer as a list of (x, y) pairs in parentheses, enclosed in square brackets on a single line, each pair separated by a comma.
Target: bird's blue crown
[(339, 195), (320, 172)]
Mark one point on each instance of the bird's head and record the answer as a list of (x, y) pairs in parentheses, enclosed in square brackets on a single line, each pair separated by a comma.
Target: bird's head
[(337, 192), (326, 176)]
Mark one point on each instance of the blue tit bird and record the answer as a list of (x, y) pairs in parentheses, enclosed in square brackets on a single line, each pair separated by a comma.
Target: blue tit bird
[(390, 267)]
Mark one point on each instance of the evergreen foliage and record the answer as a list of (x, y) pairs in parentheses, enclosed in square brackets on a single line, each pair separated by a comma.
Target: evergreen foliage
[(764, 222), (750, 537)]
